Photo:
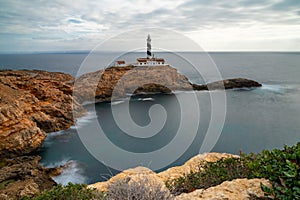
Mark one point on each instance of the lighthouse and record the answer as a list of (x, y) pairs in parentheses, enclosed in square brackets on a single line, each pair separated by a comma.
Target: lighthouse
[(150, 60), (149, 55)]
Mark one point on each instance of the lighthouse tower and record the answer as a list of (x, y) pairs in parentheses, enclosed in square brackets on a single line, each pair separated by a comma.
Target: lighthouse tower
[(149, 54), (150, 60)]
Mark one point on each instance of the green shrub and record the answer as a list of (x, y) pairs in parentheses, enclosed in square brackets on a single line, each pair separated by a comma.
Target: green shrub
[(3, 184), (69, 192), (3, 163), (210, 174), (282, 168)]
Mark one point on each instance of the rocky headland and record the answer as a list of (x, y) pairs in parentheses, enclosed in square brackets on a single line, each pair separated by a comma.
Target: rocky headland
[(117, 82), (34, 103)]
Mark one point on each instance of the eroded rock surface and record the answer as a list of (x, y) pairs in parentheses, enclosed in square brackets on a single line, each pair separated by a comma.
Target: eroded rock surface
[(169, 174), (23, 176), (33, 103), (192, 165), (116, 82), (119, 81), (228, 84), (238, 189)]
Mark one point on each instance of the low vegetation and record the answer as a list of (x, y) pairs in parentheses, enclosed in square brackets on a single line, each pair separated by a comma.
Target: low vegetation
[(281, 167), (210, 174), (3, 184), (69, 192)]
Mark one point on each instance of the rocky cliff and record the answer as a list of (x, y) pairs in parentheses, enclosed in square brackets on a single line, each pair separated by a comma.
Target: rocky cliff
[(33, 103), (24, 176)]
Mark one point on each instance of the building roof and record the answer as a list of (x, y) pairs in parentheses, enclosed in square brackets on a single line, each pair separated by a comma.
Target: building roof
[(150, 59), (120, 62), (142, 59)]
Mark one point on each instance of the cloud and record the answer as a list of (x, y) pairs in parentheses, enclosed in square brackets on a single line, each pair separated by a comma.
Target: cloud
[(62, 21)]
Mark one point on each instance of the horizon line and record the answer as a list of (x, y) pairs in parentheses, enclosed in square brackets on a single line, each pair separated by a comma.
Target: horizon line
[(108, 51)]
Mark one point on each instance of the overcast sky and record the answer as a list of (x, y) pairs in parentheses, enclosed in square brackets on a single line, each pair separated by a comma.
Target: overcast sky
[(216, 25)]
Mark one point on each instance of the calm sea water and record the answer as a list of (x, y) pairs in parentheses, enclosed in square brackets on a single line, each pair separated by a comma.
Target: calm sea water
[(256, 119)]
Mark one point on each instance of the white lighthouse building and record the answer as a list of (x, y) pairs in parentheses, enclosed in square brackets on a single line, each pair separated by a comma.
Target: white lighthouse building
[(150, 60)]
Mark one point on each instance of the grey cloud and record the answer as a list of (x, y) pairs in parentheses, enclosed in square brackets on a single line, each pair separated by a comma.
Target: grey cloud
[(45, 20), (286, 5), (240, 12)]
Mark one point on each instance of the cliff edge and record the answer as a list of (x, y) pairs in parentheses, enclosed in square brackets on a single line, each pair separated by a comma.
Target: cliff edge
[(33, 103)]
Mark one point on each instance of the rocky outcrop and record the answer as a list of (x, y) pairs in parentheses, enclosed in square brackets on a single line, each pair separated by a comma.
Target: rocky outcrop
[(33, 103), (239, 189), (23, 176), (236, 189), (228, 84), (171, 173), (116, 82), (192, 165)]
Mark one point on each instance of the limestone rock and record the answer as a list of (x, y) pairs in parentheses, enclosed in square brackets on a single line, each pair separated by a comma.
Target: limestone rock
[(169, 174), (118, 81), (33, 103), (138, 171), (24, 176), (192, 165), (228, 84), (238, 189), (136, 183)]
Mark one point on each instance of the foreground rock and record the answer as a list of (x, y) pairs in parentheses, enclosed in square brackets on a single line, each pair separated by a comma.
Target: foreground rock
[(116, 82), (192, 165), (23, 176), (33, 103), (169, 174), (237, 189)]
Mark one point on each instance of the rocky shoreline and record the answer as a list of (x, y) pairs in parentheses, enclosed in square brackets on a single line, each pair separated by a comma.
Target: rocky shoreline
[(34, 103)]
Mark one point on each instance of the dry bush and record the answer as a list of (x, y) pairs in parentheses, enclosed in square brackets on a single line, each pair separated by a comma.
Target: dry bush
[(138, 188)]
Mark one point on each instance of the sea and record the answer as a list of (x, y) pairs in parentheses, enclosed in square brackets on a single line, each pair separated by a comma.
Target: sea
[(255, 119)]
